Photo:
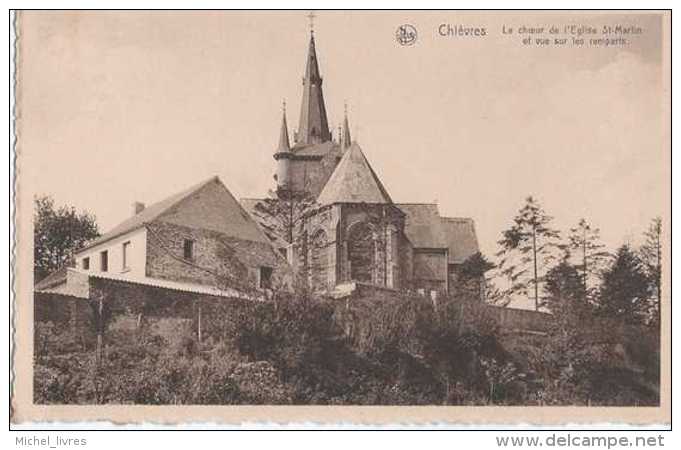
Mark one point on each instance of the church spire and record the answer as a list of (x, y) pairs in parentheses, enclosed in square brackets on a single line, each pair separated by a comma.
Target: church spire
[(345, 135), (313, 127), (284, 146)]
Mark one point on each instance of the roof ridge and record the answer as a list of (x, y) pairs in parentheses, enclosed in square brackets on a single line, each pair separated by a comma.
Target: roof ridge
[(149, 214), (416, 204), (460, 219)]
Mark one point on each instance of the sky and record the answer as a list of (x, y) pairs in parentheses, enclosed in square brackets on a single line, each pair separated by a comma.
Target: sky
[(118, 107)]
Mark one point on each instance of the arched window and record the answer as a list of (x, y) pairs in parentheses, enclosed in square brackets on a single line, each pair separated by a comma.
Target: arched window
[(319, 260), (361, 253)]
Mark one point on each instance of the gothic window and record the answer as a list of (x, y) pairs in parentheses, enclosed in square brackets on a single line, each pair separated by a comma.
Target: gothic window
[(319, 260), (361, 253)]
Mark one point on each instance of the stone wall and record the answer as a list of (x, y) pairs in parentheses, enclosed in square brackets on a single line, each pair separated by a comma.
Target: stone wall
[(430, 271), (218, 260), (521, 320), (130, 308), (69, 317)]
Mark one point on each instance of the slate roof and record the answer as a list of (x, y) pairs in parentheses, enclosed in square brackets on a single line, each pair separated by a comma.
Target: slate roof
[(65, 281), (425, 228), (423, 225), (229, 218), (148, 214), (354, 181), (461, 238), (53, 279), (313, 123), (249, 204), (320, 149)]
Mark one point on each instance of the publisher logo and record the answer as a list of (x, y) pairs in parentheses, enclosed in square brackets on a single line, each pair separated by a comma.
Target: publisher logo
[(406, 35)]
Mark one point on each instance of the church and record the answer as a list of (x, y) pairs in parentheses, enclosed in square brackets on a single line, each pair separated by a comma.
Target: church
[(356, 234), (204, 242)]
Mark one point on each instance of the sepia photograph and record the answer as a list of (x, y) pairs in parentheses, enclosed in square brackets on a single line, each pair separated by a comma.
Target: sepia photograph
[(451, 216)]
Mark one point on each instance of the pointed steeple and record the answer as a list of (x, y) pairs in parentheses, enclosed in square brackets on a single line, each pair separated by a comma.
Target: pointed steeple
[(284, 145), (283, 154), (313, 127), (345, 135)]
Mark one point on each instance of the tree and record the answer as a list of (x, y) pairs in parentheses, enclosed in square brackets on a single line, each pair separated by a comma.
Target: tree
[(624, 290), (283, 213), (564, 288), (527, 250), (584, 242), (651, 256), (57, 234), (471, 281)]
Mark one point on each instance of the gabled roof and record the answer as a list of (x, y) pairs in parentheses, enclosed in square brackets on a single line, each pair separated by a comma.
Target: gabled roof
[(148, 214), (53, 279), (354, 181), (214, 208), (423, 225), (426, 229), (461, 238)]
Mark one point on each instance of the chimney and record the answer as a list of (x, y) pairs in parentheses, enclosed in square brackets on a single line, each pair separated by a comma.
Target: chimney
[(137, 208)]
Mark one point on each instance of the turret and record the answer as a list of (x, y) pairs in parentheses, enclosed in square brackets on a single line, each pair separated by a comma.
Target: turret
[(283, 154), (345, 140)]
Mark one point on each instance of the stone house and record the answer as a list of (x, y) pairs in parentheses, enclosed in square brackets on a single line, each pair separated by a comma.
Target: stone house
[(200, 238)]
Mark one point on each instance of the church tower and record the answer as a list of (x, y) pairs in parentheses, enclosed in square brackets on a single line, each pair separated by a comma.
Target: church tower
[(305, 165), (313, 127)]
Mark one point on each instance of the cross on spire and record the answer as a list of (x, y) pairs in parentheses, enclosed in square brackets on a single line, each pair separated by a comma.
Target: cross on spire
[(311, 16)]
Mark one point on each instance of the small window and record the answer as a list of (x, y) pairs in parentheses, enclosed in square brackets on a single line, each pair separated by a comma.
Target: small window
[(126, 256), (86, 263), (104, 261), (265, 277), (188, 249)]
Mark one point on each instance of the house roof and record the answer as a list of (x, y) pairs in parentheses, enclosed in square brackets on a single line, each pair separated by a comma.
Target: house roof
[(67, 286), (249, 205), (148, 214), (53, 279), (65, 281), (461, 238), (209, 206), (354, 181), (423, 225), (212, 207)]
